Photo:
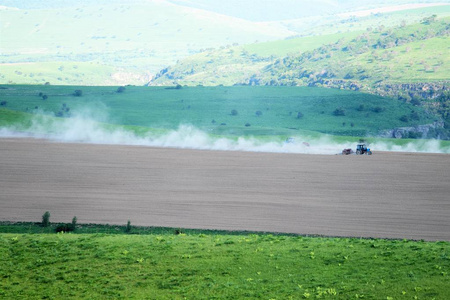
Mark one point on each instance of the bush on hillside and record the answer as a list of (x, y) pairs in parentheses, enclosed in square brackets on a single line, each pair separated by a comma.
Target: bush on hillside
[(378, 109), (404, 118), (339, 112)]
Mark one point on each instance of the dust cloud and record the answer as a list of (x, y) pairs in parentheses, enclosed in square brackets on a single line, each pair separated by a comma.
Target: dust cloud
[(86, 128)]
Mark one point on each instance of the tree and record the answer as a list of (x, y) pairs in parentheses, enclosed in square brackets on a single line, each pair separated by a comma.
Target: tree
[(121, 89), (258, 113), (234, 112), (299, 115), (46, 219), (128, 228), (74, 223), (78, 93)]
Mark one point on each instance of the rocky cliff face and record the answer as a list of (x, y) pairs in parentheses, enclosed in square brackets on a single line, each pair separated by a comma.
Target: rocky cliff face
[(420, 90), (415, 131)]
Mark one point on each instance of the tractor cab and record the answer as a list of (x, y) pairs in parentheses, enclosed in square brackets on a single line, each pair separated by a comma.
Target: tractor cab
[(362, 149)]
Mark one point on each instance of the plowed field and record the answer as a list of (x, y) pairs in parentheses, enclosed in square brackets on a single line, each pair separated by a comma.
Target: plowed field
[(388, 195)]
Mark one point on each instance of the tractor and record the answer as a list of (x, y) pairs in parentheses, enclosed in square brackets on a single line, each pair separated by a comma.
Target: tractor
[(362, 149)]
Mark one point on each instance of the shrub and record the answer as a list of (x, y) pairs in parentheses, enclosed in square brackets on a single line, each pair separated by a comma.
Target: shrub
[(64, 228), (339, 112), (120, 89), (128, 228), (414, 135), (45, 97), (78, 93), (234, 112), (415, 116), (258, 113), (178, 231), (360, 107), (415, 102), (46, 219), (378, 109), (3, 103), (404, 118), (299, 115), (247, 125)]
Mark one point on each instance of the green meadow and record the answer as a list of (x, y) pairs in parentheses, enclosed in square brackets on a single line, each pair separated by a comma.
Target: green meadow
[(103, 262), (235, 111)]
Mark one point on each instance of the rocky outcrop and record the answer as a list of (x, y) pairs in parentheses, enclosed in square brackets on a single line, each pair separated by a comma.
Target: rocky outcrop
[(405, 132), (421, 90)]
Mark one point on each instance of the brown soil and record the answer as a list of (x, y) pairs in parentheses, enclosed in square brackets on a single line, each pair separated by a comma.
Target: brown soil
[(389, 195)]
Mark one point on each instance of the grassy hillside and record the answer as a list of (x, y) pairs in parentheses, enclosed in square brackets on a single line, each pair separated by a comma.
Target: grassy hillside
[(111, 43), (414, 53), (173, 264), (236, 64), (237, 110), (402, 54), (140, 37)]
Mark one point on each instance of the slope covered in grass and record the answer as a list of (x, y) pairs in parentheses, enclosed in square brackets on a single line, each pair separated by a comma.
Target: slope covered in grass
[(401, 54), (237, 110), (139, 37)]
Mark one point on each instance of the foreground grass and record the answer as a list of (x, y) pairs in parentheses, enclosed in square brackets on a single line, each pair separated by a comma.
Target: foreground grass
[(176, 264)]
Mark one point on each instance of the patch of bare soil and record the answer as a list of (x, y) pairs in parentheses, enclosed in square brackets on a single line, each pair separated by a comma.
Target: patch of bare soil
[(389, 195)]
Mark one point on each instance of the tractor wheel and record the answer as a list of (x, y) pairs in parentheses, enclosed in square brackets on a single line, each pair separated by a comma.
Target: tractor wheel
[(358, 152)]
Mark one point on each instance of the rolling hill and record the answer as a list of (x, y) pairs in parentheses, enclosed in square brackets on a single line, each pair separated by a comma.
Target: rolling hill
[(400, 54), (112, 44)]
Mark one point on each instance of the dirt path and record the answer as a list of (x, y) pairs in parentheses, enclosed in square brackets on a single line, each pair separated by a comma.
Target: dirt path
[(392, 195)]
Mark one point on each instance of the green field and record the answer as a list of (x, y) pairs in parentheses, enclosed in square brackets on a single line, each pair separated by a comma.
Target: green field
[(259, 111), (166, 263)]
